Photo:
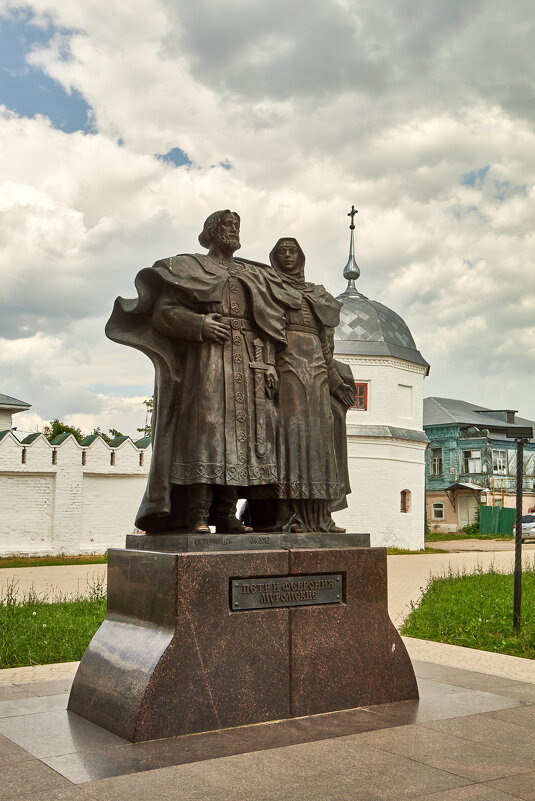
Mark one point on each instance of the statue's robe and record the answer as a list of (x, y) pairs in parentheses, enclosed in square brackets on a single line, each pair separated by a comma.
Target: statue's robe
[(206, 409), (340, 433), (311, 451), (307, 464)]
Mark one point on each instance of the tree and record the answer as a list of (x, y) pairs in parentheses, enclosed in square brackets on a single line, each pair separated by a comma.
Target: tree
[(113, 431), (57, 427), (147, 428)]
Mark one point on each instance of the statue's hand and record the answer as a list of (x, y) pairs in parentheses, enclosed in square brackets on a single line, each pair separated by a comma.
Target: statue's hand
[(272, 381), (213, 329), (345, 395)]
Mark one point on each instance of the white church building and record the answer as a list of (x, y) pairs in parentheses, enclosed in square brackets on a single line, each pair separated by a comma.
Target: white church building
[(385, 438), (70, 497)]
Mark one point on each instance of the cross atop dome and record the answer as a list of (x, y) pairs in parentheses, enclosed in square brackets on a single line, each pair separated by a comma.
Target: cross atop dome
[(367, 327), (351, 270)]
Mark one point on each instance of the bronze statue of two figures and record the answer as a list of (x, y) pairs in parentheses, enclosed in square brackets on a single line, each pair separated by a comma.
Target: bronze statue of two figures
[(248, 400)]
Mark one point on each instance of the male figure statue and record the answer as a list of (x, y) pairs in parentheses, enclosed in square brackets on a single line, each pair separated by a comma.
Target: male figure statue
[(211, 325)]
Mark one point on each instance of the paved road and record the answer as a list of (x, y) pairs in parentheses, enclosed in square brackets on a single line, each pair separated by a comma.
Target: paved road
[(50, 582)]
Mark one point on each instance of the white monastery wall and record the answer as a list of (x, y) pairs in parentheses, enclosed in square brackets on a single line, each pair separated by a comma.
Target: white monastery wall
[(120, 495), (383, 461), (67, 498), (26, 517)]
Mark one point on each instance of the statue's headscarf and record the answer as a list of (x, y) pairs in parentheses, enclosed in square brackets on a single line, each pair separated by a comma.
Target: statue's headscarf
[(325, 307), (296, 276)]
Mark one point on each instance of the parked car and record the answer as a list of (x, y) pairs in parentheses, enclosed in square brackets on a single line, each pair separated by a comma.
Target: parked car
[(528, 527)]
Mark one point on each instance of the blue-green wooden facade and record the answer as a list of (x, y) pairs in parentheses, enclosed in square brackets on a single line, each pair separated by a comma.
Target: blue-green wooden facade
[(453, 441)]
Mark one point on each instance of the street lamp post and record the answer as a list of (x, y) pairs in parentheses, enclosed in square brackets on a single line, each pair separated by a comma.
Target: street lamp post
[(521, 434)]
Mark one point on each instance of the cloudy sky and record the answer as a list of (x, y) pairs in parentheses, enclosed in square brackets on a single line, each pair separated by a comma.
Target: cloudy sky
[(123, 125)]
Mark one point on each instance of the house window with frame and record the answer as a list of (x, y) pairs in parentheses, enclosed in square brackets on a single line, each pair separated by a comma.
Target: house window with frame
[(361, 399), (437, 511), (499, 462), (472, 461), (435, 462)]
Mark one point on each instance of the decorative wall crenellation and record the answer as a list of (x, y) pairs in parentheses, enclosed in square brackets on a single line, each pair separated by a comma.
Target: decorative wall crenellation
[(66, 497)]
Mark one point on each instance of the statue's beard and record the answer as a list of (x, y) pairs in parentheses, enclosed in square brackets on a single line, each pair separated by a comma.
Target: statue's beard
[(228, 243)]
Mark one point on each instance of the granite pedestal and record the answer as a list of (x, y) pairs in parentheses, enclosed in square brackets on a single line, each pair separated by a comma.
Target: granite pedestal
[(174, 657)]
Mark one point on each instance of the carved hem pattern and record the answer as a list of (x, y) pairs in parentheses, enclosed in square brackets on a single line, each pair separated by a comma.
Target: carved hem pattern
[(229, 474), (296, 490)]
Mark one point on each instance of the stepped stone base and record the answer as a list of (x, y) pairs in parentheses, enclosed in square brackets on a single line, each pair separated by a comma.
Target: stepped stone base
[(174, 656)]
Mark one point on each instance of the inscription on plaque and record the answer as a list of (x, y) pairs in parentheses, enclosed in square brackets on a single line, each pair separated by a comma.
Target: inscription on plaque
[(269, 592)]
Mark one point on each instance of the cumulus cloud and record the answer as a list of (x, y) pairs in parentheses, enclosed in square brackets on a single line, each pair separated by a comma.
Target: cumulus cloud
[(421, 115)]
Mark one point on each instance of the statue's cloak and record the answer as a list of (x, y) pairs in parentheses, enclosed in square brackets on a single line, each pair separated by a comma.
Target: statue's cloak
[(184, 365)]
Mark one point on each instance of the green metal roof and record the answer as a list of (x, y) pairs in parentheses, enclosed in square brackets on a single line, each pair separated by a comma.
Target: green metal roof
[(88, 440), (60, 438), (142, 443), (117, 441), (30, 438)]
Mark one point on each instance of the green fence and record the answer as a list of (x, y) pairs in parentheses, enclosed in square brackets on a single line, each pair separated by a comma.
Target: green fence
[(496, 520)]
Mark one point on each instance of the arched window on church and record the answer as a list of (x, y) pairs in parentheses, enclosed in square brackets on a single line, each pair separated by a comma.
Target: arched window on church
[(405, 501)]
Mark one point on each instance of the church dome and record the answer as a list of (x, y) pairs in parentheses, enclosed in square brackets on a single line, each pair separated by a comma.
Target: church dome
[(367, 327)]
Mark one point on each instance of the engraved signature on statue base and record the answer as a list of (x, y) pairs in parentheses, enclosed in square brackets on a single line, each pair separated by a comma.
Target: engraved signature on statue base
[(179, 543)]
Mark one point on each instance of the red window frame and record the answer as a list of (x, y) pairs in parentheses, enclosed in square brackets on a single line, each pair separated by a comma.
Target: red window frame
[(361, 401)]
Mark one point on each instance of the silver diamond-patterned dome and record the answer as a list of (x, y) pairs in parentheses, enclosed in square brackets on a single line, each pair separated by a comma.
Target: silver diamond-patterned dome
[(367, 328)]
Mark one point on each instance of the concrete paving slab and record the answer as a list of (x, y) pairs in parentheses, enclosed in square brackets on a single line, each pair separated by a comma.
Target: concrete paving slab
[(50, 687), (473, 792), (327, 770), (28, 706), (384, 756), (488, 728), (520, 786), (477, 761), (524, 718), (55, 732), (10, 752), (9, 691), (37, 673), (82, 752), (65, 793), (512, 667), (22, 779)]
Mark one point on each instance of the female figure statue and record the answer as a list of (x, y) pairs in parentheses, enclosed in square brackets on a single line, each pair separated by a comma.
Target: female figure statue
[(311, 455)]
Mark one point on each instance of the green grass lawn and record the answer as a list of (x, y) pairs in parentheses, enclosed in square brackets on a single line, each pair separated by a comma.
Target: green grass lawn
[(476, 611), (44, 561), (41, 631)]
